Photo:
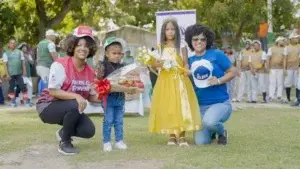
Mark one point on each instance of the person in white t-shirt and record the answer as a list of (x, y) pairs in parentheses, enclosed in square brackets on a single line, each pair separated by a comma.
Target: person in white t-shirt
[(259, 76)]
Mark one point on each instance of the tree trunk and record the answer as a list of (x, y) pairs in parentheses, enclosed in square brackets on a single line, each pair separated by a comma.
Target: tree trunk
[(47, 23), (239, 33), (42, 30)]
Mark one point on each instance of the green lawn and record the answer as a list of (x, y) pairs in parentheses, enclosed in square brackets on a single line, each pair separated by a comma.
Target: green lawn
[(258, 139)]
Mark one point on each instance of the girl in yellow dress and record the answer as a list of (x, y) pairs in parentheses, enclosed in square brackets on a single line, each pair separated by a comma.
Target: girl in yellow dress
[(174, 108)]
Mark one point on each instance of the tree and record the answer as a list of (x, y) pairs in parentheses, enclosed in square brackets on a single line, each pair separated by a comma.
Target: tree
[(7, 19), (231, 18), (142, 12), (51, 13)]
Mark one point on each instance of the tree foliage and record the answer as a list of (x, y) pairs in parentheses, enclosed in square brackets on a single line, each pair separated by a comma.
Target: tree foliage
[(29, 19)]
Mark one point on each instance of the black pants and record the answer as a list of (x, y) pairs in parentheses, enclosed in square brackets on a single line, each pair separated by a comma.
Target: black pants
[(65, 113), (16, 81)]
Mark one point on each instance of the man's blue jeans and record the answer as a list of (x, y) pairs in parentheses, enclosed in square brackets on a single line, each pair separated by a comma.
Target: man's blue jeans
[(113, 117), (213, 116)]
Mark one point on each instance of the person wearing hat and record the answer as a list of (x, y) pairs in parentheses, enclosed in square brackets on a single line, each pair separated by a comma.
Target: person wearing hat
[(259, 77), (114, 109), (244, 68), (292, 53), (128, 59), (46, 55), (15, 69), (61, 51), (27, 79), (230, 85), (297, 102), (69, 89), (276, 63)]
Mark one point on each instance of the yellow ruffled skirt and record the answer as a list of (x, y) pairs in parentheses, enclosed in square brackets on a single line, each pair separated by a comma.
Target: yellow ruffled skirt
[(174, 106)]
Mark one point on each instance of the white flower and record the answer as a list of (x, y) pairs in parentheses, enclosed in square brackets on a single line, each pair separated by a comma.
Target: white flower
[(173, 63), (167, 65), (147, 58)]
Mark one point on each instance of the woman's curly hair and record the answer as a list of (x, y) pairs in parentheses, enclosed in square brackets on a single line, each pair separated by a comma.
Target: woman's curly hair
[(72, 41), (197, 29)]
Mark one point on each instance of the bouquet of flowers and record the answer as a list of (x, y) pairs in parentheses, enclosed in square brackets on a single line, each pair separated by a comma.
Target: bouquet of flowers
[(124, 79), (147, 57)]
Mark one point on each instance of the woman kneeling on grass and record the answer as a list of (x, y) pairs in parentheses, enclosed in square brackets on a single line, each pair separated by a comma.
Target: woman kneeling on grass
[(211, 70), (70, 85)]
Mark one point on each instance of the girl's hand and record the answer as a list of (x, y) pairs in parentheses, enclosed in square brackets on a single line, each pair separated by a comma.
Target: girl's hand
[(157, 64), (187, 73)]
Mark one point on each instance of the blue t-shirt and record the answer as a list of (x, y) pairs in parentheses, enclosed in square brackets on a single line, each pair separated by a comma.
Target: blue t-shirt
[(212, 63)]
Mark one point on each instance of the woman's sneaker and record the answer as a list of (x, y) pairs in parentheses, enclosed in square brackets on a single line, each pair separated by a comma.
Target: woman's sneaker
[(121, 145), (107, 147), (223, 139), (67, 148)]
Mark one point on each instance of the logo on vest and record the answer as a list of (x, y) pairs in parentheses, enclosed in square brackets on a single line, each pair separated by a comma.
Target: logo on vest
[(80, 85), (201, 71)]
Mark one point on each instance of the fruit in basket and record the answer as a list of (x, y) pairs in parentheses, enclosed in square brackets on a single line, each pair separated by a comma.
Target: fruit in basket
[(139, 84)]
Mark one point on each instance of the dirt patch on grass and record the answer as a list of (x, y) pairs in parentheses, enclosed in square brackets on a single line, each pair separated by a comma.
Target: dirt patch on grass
[(46, 157)]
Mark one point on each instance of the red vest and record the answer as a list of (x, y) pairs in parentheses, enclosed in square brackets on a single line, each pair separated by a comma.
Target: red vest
[(75, 82)]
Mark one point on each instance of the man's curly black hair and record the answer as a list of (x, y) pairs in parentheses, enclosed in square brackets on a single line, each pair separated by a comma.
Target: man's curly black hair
[(72, 41), (197, 29)]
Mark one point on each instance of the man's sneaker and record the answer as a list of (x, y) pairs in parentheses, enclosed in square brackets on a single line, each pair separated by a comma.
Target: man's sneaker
[(107, 147), (28, 103), (121, 145), (13, 104), (58, 134), (283, 101), (295, 104), (253, 102), (222, 140), (279, 99), (67, 148)]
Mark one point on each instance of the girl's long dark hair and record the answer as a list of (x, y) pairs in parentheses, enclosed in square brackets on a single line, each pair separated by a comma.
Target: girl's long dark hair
[(177, 37)]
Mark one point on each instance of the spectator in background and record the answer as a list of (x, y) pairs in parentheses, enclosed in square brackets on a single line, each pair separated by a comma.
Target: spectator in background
[(46, 55), (27, 79), (153, 74), (15, 69), (128, 59), (263, 34), (2, 74), (230, 85), (61, 52)]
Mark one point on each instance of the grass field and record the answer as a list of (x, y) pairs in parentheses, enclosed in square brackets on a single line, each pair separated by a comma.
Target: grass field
[(258, 139)]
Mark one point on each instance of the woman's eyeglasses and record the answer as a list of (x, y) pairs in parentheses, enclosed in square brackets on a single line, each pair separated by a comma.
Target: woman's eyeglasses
[(196, 39)]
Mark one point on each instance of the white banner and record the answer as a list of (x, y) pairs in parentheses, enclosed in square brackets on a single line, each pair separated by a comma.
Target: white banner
[(184, 19)]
